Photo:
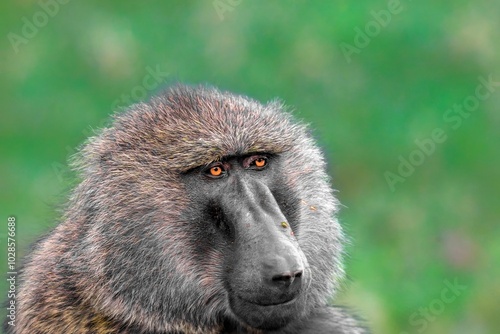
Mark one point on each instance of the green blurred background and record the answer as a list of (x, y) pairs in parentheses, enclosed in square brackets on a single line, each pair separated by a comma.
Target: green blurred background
[(369, 99)]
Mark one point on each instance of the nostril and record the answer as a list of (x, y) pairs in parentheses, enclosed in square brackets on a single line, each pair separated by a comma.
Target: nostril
[(282, 277), (287, 277)]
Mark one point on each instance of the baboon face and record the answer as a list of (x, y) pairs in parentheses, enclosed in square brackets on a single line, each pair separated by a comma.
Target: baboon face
[(206, 207), (247, 211)]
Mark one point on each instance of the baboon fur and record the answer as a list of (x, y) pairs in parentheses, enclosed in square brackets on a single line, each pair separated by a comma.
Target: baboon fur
[(125, 259)]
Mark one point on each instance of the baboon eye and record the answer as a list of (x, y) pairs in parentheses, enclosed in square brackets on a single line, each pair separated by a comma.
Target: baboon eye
[(256, 162), (215, 171), (260, 162)]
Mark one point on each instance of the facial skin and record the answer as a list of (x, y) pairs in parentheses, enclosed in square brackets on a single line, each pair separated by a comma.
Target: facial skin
[(251, 216)]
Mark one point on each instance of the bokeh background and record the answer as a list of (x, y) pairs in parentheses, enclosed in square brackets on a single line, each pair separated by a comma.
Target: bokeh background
[(373, 78)]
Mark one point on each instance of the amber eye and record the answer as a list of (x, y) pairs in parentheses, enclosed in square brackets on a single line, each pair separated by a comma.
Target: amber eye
[(260, 162), (216, 171)]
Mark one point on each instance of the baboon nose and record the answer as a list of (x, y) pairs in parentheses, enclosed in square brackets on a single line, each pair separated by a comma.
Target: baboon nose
[(287, 278), (283, 274), (284, 285)]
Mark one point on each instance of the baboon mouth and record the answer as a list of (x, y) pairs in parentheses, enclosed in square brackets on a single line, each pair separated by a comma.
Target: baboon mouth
[(269, 303), (267, 315)]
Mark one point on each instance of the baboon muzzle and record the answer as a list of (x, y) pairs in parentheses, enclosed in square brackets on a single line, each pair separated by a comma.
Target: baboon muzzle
[(268, 265)]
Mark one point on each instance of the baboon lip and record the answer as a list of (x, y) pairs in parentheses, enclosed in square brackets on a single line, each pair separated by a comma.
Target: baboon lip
[(261, 304)]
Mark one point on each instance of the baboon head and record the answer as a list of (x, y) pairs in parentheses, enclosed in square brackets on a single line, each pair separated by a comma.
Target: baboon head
[(207, 208)]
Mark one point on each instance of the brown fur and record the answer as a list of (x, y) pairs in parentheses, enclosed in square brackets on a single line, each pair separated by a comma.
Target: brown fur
[(120, 262)]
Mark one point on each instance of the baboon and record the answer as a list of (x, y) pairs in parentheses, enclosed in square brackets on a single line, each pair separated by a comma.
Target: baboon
[(198, 211)]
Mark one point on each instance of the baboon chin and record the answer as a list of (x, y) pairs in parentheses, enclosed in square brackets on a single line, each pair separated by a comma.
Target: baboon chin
[(199, 211)]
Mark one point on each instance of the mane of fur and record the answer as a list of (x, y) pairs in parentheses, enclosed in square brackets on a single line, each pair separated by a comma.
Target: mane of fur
[(123, 258)]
